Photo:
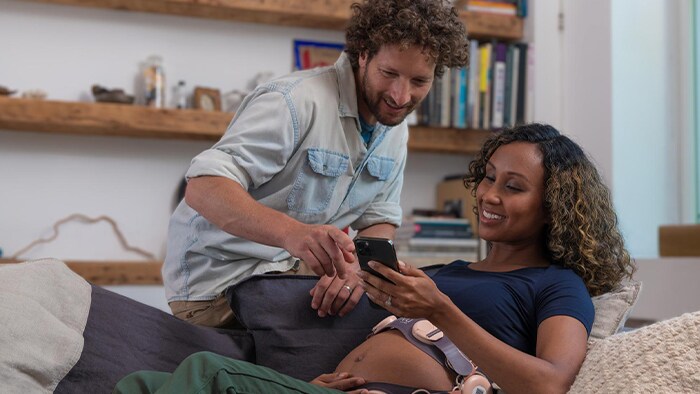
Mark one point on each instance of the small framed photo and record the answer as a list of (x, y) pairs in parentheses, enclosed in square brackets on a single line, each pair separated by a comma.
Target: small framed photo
[(310, 54), (206, 99)]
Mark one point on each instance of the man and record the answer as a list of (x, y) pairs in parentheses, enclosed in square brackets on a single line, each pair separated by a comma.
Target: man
[(305, 156)]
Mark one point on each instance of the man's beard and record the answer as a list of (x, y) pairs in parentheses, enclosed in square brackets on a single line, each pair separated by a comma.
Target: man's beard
[(373, 106)]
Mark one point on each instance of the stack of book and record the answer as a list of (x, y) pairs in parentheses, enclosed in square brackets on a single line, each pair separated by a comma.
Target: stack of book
[(501, 7), (490, 93), (440, 234)]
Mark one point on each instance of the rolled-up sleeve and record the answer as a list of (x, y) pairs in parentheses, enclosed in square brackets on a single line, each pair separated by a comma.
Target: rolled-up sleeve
[(257, 144)]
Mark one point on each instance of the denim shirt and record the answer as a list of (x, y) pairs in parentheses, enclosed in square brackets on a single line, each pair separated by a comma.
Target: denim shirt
[(295, 146)]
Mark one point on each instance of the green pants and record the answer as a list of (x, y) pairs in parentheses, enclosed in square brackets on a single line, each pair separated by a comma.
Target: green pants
[(206, 372)]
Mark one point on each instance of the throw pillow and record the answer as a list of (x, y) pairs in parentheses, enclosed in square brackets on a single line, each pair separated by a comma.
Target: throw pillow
[(659, 358), (613, 308)]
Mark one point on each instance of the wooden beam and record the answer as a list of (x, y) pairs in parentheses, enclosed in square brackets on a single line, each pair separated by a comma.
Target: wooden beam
[(444, 140), (321, 14), (485, 25), (114, 272), (679, 240), (144, 122), (111, 119)]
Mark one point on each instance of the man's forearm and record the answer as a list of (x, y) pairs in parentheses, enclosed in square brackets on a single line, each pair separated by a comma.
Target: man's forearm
[(226, 204), (379, 230)]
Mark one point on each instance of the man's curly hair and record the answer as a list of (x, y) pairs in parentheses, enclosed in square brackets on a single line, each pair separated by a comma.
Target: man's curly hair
[(582, 233), (430, 24)]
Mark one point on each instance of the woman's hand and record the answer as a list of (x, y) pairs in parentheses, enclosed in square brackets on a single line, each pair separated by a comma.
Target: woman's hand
[(413, 293), (340, 381)]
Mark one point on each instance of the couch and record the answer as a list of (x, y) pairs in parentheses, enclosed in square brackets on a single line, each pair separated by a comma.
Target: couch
[(61, 334)]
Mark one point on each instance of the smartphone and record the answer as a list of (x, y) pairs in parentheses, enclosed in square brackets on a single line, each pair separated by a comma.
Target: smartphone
[(380, 250)]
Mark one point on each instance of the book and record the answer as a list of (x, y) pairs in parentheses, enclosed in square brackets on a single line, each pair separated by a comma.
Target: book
[(509, 88), (493, 7), (439, 227), (484, 82), (499, 85), (459, 97), (522, 85), (445, 92), (473, 94), (514, 84)]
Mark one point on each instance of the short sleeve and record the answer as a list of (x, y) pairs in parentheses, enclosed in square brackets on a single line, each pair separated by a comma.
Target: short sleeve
[(563, 293), (256, 145)]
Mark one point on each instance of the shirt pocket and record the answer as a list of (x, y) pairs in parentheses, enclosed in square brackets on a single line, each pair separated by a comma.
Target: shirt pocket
[(371, 182), (316, 182)]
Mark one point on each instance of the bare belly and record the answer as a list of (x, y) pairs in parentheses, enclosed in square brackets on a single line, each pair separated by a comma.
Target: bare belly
[(389, 357)]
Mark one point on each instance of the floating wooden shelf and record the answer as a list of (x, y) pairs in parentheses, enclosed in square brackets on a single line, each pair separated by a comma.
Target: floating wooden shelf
[(322, 14), (143, 122), (111, 119), (443, 140), (114, 272)]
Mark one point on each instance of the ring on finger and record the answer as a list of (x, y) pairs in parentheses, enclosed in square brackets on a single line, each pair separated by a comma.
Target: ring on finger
[(388, 301), (348, 288)]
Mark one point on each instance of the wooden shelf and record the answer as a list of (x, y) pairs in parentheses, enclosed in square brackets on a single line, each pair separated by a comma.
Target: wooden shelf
[(114, 272), (143, 122), (322, 14), (442, 140), (484, 25), (111, 119)]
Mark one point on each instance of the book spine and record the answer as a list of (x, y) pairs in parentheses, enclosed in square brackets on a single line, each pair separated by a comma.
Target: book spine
[(499, 85), (473, 95), (522, 86), (445, 107), (514, 84), (459, 97), (484, 66), (509, 88)]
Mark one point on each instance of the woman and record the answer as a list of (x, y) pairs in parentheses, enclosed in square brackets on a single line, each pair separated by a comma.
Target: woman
[(523, 314)]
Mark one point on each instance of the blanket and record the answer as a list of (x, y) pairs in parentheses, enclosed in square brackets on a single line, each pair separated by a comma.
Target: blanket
[(44, 307)]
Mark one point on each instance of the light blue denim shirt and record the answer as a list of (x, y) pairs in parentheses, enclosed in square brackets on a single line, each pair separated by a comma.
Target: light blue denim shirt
[(295, 146)]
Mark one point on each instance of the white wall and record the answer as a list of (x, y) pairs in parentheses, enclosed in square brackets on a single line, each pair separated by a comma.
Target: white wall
[(669, 287), (63, 50), (613, 80), (613, 83), (647, 147)]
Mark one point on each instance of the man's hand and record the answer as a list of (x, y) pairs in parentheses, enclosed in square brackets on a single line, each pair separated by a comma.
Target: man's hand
[(340, 381), (324, 248), (336, 296)]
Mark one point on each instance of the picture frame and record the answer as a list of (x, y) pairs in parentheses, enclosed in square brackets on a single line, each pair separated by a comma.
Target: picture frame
[(206, 99), (311, 54)]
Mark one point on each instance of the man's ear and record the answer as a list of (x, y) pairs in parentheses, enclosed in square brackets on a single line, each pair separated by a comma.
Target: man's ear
[(362, 59)]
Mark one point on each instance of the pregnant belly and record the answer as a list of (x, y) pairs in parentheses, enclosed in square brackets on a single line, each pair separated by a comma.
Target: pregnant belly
[(388, 357)]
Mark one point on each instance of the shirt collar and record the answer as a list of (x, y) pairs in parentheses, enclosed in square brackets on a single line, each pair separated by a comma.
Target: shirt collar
[(346, 87)]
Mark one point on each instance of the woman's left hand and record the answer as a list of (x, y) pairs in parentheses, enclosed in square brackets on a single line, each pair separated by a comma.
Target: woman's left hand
[(413, 293), (340, 381)]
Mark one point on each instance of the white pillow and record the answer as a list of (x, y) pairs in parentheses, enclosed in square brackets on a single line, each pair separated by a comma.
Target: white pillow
[(613, 308)]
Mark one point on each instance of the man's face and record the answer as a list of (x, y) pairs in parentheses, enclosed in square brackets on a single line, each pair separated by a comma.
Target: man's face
[(393, 83)]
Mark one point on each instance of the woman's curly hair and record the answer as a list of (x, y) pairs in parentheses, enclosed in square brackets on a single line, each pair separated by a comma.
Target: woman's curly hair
[(430, 24), (582, 233)]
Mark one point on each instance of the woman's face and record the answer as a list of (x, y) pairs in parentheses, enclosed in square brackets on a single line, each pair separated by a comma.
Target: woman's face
[(510, 198)]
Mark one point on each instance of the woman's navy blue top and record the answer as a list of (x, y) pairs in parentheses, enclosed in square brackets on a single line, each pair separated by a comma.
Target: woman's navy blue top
[(511, 305)]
